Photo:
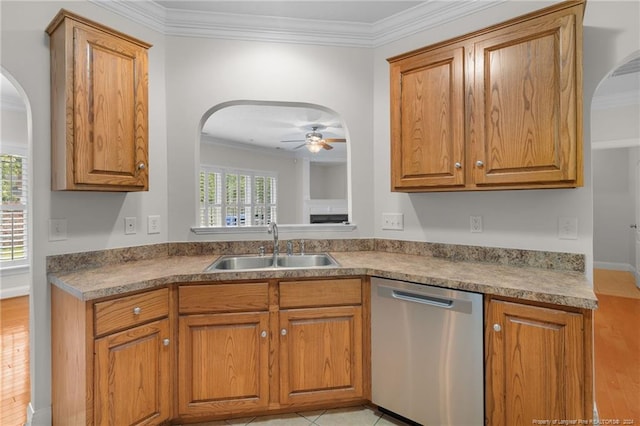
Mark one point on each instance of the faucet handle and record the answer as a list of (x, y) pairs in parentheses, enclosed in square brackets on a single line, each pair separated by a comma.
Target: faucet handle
[(261, 250), (301, 246), (289, 248)]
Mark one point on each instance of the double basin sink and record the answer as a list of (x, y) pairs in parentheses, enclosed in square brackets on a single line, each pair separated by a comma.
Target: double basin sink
[(252, 262)]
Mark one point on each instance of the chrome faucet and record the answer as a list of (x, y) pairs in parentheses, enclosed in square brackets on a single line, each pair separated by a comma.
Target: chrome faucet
[(273, 229)]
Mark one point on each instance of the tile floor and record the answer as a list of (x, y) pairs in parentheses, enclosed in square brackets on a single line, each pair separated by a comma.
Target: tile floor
[(353, 416)]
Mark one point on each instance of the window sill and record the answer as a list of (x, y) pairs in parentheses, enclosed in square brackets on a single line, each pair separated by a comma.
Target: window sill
[(315, 227)]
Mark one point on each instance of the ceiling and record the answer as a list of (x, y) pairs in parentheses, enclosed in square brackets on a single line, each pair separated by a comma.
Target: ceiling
[(268, 124)]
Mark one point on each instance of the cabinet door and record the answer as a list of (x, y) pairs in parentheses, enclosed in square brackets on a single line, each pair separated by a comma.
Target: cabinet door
[(321, 355), (527, 110), (132, 376), (534, 365), (110, 118), (427, 120), (223, 363)]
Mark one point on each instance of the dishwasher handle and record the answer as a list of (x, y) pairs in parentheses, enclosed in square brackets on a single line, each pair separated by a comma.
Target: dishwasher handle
[(423, 297)]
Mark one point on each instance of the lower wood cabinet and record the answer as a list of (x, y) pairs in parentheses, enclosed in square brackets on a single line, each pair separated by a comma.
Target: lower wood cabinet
[(111, 360), (223, 350), (539, 363), (204, 351), (256, 347), (133, 376)]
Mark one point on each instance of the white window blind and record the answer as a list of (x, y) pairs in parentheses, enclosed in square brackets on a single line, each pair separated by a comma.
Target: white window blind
[(230, 197), (13, 211)]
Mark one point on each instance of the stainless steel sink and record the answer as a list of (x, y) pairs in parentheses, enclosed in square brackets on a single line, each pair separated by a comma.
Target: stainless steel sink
[(241, 262), (306, 261), (251, 262)]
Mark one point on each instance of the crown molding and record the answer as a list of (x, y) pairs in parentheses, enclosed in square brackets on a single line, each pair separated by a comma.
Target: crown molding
[(187, 23), (616, 143), (615, 100)]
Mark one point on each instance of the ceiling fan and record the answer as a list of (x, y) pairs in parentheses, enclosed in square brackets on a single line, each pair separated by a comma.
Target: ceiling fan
[(315, 142)]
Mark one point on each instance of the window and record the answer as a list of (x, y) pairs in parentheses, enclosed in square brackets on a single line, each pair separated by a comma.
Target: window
[(13, 210), (237, 197)]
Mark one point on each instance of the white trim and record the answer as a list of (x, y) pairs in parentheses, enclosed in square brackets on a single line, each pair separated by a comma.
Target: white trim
[(615, 143), (8, 293), (615, 100), (315, 227), (614, 266), (188, 23)]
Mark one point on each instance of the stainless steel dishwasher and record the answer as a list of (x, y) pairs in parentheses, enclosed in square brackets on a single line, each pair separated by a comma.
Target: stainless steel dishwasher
[(427, 353)]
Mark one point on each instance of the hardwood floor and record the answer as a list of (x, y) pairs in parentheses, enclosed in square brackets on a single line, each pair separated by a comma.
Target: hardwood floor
[(15, 391), (617, 348), (617, 353)]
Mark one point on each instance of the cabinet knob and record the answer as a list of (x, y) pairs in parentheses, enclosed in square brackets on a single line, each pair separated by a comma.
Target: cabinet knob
[(458, 166), (283, 331), (141, 166), (166, 342), (496, 327), (137, 310), (263, 334), (479, 163)]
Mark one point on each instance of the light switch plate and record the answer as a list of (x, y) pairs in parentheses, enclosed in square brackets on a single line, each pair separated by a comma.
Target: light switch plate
[(568, 228), (393, 221), (153, 224), (57, 229)]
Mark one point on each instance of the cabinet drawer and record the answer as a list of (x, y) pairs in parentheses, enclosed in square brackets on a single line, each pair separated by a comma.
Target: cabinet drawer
[(299, 294), (129, 311), (240, 297)]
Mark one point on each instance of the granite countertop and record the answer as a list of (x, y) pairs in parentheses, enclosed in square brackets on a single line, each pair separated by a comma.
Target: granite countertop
[(568, 288)]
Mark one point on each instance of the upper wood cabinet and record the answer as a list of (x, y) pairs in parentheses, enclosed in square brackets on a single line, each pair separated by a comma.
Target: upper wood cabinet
[(500, 108), (99, 107)]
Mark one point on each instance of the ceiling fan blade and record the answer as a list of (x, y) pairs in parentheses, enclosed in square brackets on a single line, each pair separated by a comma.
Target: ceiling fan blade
[(299, 146), (294, 140), (325, 145), (331, 140)]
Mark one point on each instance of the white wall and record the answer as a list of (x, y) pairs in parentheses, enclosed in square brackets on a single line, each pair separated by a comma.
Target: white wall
[(614, 203), (328, 180), (95, 221), (210, 72)]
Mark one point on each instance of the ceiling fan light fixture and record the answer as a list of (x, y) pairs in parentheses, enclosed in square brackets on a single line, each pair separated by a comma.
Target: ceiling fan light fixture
[(313, 137), (314, 147)]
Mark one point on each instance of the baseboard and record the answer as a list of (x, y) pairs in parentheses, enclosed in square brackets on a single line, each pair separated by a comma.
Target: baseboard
[(7, 293), (614, 266), (42, 417)]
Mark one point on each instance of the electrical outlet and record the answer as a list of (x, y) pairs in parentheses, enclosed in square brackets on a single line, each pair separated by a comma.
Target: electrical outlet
[(153, 224), (568, 228), (129, 225), (57, 229), (393, 221), (475, 223)]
